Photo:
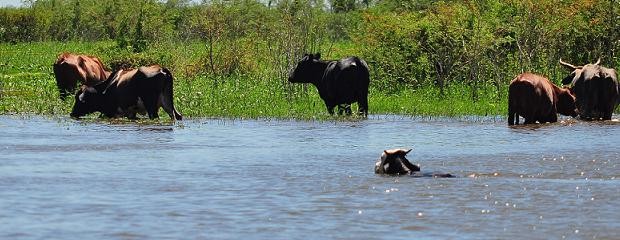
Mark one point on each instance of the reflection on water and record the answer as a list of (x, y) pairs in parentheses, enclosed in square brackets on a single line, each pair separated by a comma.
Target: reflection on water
[(267, 179)]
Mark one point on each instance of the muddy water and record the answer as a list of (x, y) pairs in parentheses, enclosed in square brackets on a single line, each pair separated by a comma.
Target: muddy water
[(266, 179)]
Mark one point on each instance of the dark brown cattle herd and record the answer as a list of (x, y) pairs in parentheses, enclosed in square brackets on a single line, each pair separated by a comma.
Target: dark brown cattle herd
[(590, 92)]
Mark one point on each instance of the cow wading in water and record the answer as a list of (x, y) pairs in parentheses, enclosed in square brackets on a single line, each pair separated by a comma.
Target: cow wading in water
[(127, 92), (340, 83), (535, 98), (69, 69), (595, 88), (394, 162)]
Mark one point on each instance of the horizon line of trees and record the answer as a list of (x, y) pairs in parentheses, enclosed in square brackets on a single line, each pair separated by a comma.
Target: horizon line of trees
[(408, 43)]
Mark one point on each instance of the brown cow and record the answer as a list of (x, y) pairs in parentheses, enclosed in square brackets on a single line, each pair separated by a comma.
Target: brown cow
[(596, 89), (127, 92), (70, 68), (535, 98)]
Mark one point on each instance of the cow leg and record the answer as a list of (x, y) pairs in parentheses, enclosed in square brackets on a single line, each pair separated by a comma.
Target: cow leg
[(131, 115), (551, 118), (341, 109), (363, 105), (330, 108), (66, 87), (513, 117), (344, 109), (63, 93), (607, 115), (608, 111), (512, 113), (516, 117), (151, 104)]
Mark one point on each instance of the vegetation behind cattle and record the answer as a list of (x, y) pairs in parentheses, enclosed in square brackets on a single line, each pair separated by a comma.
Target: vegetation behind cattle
[(231, 58)]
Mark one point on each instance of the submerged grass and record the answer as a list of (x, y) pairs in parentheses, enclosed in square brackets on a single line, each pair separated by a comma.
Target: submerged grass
[(27, 85)]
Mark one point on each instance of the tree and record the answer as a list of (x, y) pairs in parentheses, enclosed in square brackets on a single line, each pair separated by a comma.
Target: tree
[(75, 22), (343, 5)]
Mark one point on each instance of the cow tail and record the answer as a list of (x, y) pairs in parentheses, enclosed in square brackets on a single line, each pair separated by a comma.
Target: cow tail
[(167, 96)]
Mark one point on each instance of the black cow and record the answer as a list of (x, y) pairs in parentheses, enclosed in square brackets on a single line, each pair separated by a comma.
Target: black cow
[(596, 90), (340, 83), (127, 92), (394, 162)]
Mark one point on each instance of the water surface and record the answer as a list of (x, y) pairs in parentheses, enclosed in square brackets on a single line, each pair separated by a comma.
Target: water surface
[(268, 179)]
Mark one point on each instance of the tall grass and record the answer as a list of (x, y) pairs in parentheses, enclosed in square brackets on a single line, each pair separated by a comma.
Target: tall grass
[(27, 85)]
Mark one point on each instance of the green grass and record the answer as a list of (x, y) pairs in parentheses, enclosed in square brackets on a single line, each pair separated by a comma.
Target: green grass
[(427, 101), (27, 85)]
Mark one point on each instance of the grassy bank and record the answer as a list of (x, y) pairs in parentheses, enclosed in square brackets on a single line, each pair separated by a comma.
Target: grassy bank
[(27, 85)]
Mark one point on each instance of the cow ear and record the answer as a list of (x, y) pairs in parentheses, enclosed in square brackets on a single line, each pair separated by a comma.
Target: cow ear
[(307, 57), (569, 79), (317, 56), (91, 90), (81, 96), (86, 90)]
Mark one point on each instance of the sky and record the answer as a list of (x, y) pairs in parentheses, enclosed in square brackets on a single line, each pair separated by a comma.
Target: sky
[(15, 3)]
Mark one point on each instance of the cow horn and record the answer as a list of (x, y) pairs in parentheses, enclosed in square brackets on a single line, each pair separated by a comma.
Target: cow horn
[(408, 151), (568, 65), (597, 62)]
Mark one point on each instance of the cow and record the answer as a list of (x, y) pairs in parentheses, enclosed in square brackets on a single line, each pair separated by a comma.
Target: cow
[(596, 89), (535, 98), (69, 69), (340, 83), (394, 162), (127, 92)]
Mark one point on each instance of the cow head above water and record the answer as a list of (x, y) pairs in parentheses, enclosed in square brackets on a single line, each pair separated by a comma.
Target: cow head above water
[(86, 101), (306, 70), (393, 161)]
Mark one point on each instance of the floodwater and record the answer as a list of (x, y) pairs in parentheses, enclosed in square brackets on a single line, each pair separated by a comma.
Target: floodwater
[(267, 179)]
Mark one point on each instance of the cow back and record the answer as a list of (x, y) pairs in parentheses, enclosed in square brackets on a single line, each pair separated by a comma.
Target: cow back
[(346, 79)]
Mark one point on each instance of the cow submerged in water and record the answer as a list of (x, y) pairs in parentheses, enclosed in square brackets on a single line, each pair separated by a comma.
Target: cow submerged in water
[(69, 69), (127, 92), (394, 162), (596, 89), (535, 98), (340, 83)]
